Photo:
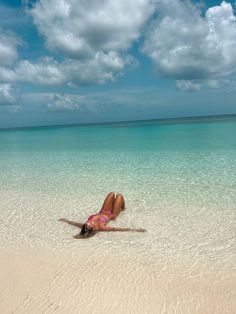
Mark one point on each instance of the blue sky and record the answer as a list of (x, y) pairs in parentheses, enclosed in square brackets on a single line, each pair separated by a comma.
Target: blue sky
[(79, 61)]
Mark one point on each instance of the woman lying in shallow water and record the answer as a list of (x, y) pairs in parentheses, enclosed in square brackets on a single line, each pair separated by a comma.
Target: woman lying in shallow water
[(111, 208)]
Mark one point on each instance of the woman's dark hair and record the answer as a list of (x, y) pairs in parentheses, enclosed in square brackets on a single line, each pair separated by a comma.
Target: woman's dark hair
[(86, 230)]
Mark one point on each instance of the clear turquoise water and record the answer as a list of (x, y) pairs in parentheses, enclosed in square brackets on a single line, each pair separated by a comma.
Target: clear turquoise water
[(179, 182), (178, 179)]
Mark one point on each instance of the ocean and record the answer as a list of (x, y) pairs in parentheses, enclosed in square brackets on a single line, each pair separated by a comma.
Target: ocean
[(178, 178)]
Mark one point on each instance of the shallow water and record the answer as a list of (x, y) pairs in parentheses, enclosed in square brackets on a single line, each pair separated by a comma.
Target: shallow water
[(179, 182)]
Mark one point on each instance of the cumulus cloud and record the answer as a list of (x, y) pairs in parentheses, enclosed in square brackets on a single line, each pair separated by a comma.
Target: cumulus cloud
[(83, 28), (65, 102), (92, 40), (186, 45), (8, 47), (79, 103), (103, 67), (190, 86), (93, 37), (48, 71), (9, 98), (197, 85), (62, 102), (7, 95), (45, 72), (95, 102)]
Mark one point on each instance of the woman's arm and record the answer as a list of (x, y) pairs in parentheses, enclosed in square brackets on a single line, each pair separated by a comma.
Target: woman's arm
[(106, 228), (73, 223)]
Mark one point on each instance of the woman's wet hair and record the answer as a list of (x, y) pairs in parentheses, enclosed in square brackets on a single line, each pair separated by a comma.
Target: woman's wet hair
[(86, 231)]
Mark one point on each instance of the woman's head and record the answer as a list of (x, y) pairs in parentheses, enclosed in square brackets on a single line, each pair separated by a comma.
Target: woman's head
[(86, 232)]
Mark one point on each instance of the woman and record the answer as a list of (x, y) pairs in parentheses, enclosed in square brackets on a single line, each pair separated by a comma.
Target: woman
[(111, 208)]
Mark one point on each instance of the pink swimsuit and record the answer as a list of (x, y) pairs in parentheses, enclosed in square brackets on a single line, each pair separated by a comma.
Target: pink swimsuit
[(103, 219)]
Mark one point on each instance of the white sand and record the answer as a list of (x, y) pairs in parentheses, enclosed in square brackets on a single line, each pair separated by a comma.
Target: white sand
[(36, 281), (185, 263)]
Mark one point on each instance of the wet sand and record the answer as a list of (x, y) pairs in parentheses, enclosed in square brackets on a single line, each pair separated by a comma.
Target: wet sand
[(46, 281)]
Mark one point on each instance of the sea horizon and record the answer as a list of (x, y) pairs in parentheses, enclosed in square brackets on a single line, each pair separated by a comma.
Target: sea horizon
[(165, 120)]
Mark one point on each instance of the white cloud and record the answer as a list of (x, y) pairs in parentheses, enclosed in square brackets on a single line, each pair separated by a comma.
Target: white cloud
[(8, 47), (7, 95), (47, 71), (216, 84), (185, 45), (79, 103), (59, 102), (93, 40), (93, 37), (197, 85), (83, 28), (102, 68), (64, 102), (190, 86), (7, 74), (9, 98), (100, 101)]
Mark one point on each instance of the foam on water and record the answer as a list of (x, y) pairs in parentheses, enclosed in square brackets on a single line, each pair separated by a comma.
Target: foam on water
[(179, 182)]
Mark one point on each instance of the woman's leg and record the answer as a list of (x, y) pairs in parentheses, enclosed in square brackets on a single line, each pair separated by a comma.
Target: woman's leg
[(108, 203), (119, 205)]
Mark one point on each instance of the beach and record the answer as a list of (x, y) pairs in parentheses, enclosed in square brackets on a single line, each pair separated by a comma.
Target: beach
[(36, 281), (179, 182)]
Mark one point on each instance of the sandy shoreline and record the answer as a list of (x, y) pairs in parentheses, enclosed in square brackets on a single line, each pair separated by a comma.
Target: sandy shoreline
[(185, 263), (43, 281)]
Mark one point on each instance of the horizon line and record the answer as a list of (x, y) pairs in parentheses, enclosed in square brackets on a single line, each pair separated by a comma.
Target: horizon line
[(119, 122)]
